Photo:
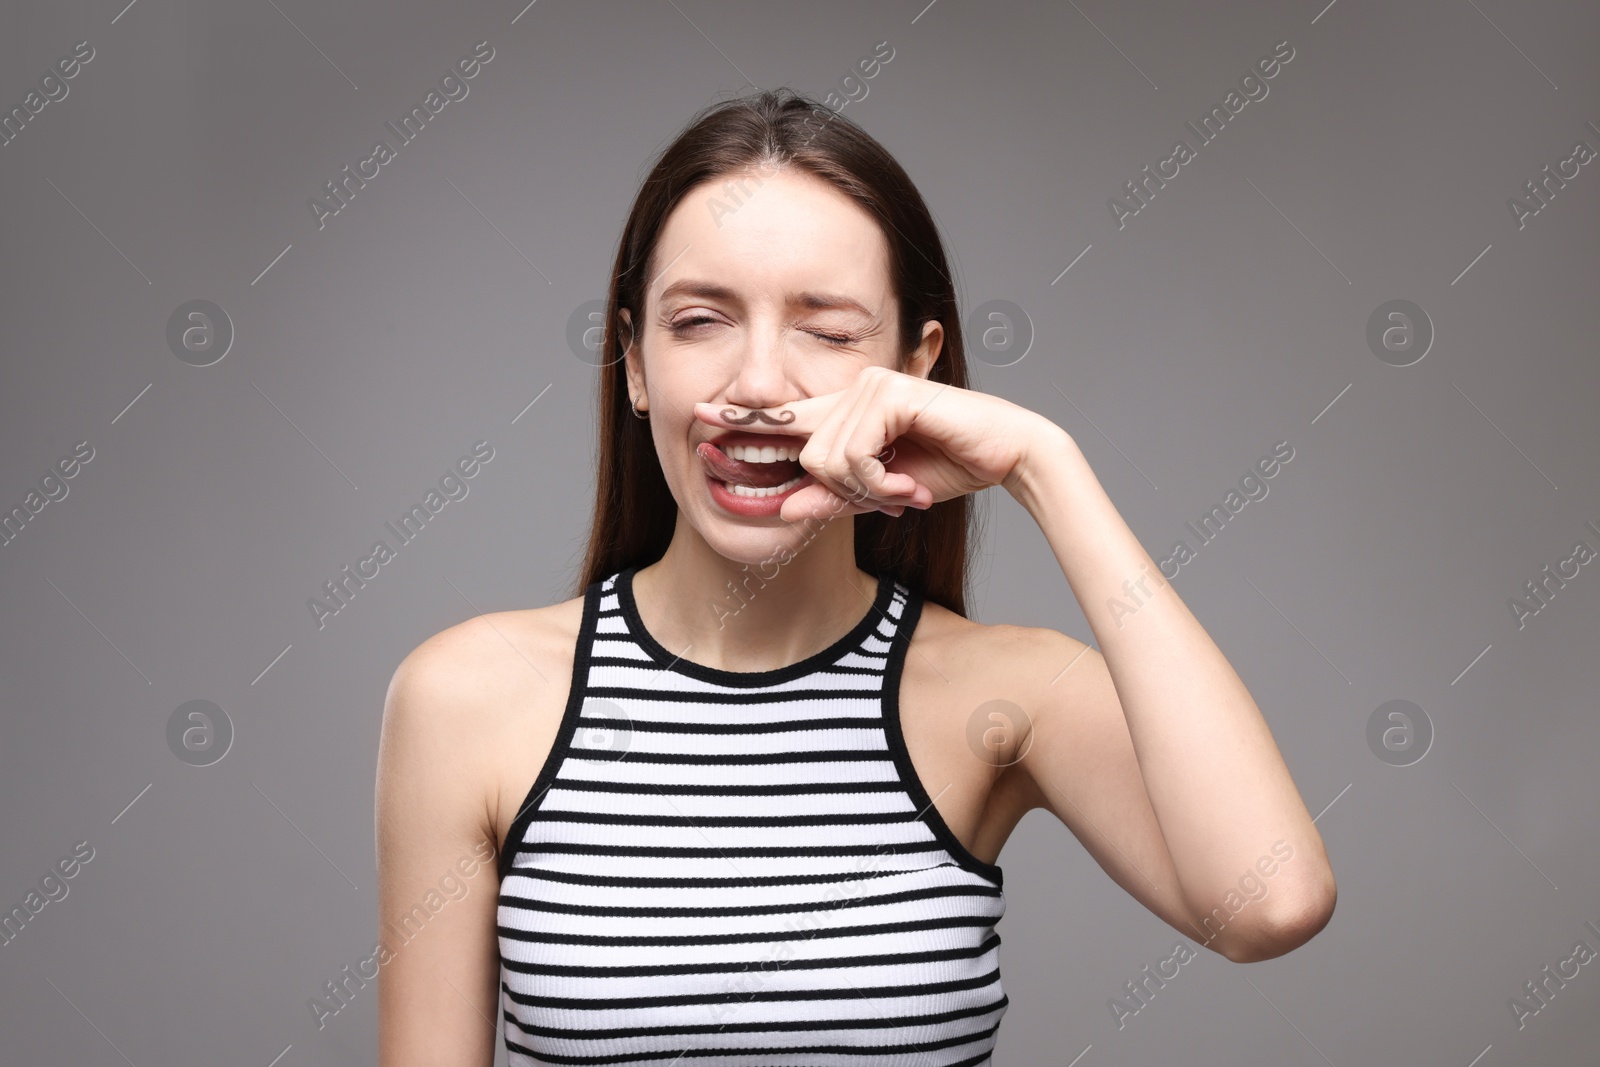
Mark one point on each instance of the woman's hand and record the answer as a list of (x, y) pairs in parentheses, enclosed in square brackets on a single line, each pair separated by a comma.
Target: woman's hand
[(892, 440)]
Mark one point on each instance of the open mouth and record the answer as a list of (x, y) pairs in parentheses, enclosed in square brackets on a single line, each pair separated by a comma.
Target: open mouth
[(753, 470), (759, 491)]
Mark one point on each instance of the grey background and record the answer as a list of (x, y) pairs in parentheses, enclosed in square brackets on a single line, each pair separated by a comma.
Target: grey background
[(1228, 315)]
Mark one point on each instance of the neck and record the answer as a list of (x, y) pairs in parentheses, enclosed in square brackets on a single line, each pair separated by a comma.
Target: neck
[(746, 617)]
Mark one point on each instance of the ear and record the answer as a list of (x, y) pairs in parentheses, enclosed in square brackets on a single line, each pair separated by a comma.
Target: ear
[(634, 363), (927, 352)]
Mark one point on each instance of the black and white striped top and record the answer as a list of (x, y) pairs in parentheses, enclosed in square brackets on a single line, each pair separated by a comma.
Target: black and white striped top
[(742, 869)]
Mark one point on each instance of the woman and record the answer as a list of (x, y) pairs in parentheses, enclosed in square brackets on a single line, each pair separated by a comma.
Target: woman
[(748, 788)]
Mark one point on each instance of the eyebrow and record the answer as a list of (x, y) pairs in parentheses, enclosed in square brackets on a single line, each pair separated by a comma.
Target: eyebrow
[(809, 299)]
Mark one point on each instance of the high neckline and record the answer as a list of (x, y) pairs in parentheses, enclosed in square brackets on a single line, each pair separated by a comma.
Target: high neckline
[(683, 665)]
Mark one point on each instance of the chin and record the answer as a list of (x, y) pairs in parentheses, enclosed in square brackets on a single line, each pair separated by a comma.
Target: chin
[(756, 546), (758, 543)]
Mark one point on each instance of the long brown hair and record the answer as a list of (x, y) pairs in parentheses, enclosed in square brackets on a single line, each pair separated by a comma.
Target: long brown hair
[(634, 511)]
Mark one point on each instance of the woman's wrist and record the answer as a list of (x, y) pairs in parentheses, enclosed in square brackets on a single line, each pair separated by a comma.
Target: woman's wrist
[(1046, 446)]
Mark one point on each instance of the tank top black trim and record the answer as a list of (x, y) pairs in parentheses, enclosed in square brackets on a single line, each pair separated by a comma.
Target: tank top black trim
[(902, 757), (569, 726), (672, 661)]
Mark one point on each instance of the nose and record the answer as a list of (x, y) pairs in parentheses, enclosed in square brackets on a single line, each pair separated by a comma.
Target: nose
[(762, 377)]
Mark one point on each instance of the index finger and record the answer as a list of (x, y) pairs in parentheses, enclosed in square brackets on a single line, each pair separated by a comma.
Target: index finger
[(796, 417)]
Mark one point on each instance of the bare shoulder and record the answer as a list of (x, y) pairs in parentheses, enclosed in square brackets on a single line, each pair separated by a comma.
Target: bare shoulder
[(480, 698), (468, 668), (972, 689), (1032, 667), (1003, 654)]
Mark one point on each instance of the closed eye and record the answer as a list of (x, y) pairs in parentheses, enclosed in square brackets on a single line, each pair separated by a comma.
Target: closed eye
[(830, 338), (833, 339), (679, 327)]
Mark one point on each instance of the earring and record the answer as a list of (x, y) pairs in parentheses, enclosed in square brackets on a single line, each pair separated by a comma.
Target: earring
[(633, 402)]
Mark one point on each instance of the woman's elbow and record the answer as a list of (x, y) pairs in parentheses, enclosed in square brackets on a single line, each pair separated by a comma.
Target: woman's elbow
[(1277, 931)]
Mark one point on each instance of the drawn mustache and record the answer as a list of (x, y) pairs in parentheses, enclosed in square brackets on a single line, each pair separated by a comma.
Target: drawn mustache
[(756, 415)]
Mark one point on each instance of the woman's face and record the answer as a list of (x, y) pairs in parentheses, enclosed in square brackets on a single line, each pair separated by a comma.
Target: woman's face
[(772, 287)]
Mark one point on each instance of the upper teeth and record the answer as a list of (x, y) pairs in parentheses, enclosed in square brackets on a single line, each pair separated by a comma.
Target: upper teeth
[(761, 453)]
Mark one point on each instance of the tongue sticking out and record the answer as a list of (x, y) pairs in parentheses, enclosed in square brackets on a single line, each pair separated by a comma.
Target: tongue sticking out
[(737, 472)]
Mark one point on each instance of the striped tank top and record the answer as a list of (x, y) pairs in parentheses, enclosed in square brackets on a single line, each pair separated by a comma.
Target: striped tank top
[(742, 869)]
